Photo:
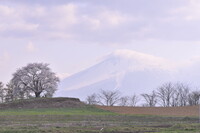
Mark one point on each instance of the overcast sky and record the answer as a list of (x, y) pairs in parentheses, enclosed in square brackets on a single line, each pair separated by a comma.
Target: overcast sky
[(72, 35)]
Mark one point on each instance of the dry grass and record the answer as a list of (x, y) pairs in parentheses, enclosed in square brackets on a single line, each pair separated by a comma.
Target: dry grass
[(160, 111)]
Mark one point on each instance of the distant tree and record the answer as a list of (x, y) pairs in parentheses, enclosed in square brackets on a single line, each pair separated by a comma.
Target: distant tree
[(34, 79), (165, 94), (2, 92), (193, 98), (124, 101), (180, 96), (176, 98), (109, 98), (150, 99), (92, 99), (133, 100), (9, 95)]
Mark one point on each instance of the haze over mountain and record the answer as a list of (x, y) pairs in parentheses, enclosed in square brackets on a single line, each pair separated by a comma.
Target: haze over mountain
[(128, 71)]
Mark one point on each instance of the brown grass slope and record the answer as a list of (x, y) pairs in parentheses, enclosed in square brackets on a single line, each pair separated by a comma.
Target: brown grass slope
[(43, 103), (161, 111)]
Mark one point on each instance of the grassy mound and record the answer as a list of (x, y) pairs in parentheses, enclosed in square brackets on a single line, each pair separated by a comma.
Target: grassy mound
[(43, 103)]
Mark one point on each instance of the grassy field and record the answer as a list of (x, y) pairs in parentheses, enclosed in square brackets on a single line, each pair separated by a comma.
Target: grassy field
[(90, 119)]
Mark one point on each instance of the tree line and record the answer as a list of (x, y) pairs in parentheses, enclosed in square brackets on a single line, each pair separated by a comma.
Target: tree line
[(167, 95), (33, 80)]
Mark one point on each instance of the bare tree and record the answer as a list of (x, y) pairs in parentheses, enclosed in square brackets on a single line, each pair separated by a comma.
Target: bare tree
[(36, 79), (92, 99), (150, 99), (175, 98), (123, 101), (193, 98), (161, 96), (173, 94), (181, 94), (165, 94), (109, 98), (134, 100)]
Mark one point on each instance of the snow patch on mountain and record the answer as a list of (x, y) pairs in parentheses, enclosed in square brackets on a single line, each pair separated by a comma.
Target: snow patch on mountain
[(134, 61)]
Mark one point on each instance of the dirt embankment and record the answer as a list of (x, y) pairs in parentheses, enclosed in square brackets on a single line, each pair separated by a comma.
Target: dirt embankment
[(161, 111), (43, 103)]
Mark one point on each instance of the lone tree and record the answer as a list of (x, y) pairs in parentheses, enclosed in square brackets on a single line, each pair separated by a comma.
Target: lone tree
[(165, 94), (134, 99), (150, 99), (35, 79), (124, 101), (109, 98), (92, 99)]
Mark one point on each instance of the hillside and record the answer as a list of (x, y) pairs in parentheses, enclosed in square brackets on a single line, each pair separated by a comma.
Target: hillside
[(43, 103)]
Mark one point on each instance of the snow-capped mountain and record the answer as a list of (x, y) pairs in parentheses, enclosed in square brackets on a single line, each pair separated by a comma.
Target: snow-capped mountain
[(125, 70)]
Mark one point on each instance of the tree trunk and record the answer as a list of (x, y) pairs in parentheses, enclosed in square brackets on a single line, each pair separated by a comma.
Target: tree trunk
[(37, 94)]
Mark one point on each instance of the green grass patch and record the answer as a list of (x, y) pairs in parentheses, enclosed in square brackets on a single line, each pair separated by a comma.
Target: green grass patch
[(87, 110)]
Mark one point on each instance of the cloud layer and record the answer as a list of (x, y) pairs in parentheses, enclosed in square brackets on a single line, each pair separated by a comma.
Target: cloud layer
[(71, 35), (103, 22)]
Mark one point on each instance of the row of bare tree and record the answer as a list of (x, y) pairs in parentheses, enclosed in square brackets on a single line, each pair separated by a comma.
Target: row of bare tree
[(111, 98), (167, 95), (172, 95)]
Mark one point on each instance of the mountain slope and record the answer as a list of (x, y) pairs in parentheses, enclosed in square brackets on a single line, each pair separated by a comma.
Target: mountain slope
[(125, 70)]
